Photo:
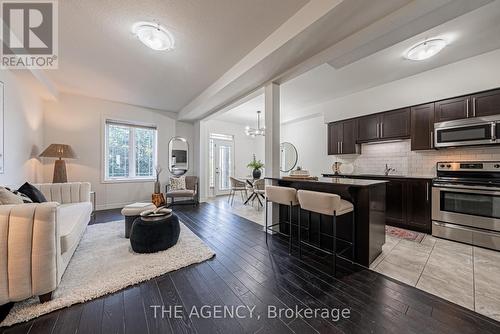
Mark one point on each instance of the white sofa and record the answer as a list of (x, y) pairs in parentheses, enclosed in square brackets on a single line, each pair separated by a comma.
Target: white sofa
[(38, 240)]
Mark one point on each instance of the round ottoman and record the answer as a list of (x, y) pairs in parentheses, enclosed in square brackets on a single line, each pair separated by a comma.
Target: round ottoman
[(132, 211), (154, 234)]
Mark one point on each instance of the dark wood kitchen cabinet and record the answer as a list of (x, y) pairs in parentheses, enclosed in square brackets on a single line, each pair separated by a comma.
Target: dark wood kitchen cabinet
[(418, 205), (451, 109), (409, 204), (368, 128), (342, 137), (395, 206), (395, 124), (422, 127), (486, 103)]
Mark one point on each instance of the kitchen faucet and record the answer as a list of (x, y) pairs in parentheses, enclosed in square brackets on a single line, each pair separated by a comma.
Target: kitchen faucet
[(387, 170)]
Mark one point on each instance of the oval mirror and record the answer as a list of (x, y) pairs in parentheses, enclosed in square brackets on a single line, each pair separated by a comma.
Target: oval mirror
[(288, 156), (178, 156)]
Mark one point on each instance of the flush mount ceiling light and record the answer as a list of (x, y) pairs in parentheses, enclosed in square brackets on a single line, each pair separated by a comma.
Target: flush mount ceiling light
[(252, 132), (426, 49), (153, 35)]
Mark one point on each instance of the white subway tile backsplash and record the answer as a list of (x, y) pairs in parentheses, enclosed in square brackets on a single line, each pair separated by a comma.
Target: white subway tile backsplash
[(398, 155)]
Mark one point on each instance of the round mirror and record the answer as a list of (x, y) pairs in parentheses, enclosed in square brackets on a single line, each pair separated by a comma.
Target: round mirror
[(178, 156), (288, 157)]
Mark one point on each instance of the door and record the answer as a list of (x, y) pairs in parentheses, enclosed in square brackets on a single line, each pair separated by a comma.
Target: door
[(223, 166), (395, 124), (395, 202), (486, 104), (418, 207), (422, 127), (334, 138), (349, 135), (368, 128), (448, 110)]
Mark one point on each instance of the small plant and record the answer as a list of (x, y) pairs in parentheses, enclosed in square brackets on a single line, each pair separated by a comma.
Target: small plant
[(255, 164)]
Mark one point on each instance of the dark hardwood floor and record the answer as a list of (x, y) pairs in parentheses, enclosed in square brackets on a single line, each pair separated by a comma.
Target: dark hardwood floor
[(246, 272)]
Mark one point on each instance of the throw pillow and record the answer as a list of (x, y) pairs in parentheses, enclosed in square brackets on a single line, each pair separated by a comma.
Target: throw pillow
[(7, 197), (178, 183), (32, 192), (25, 198)]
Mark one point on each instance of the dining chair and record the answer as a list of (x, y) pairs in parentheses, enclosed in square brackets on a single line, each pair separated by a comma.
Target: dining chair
[(237, 186)]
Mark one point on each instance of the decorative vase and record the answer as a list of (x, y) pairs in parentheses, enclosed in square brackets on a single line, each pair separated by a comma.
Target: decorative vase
[(256, 174), (157, 187)]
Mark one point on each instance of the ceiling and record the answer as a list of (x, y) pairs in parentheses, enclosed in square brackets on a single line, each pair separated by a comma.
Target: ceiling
[(468, 35), (99, 56)]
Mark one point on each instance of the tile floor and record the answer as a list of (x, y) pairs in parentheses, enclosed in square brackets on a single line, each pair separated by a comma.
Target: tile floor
[(463, 274)]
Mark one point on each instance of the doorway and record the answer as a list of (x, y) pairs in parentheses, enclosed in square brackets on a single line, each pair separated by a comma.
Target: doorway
[(221, 162)]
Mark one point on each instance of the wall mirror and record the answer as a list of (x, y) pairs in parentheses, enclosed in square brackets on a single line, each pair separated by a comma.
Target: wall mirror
[(178, 155), (288, 156)]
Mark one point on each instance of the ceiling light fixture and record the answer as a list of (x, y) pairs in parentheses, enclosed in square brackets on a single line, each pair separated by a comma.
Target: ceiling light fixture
[(426, 49), (154, 36), (252, 132)]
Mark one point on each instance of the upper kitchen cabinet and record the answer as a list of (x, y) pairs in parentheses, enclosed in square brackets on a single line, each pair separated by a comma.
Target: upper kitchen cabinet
[(395, 124), (451, 109), (368, 128), (422, 127), (486, 103), (342, 137)]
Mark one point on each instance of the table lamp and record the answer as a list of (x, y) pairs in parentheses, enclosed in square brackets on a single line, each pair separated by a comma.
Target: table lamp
[(59, 151)]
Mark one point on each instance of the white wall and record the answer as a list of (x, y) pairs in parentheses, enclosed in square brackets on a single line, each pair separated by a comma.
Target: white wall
[(244, 148), (309, 138), (79, 122), (470, 75), (310, 135), (23, 134)]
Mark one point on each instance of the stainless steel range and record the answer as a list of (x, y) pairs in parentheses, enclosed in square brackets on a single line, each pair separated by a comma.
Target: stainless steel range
[(466, 202)]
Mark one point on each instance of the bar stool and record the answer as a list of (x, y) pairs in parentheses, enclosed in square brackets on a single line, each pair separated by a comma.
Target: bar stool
[(330, 205), (286, 196)]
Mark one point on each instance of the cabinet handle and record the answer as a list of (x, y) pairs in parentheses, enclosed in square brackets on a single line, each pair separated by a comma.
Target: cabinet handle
[(493, 131), (473, 107), (341, 147), (432, 139), (467, 108), (381, 129), (338, 147), (427, 191), (378, 130)]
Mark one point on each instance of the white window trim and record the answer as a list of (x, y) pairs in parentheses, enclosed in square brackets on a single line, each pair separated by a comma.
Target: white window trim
[(134, 179)]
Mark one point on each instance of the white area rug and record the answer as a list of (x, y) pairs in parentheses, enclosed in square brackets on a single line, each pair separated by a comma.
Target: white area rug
[(104, 263)]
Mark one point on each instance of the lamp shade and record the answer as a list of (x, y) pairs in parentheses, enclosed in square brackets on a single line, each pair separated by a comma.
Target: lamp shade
[(58, 151)]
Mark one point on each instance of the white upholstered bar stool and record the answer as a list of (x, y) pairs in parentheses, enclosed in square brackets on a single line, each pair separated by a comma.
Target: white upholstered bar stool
[(285, 196), (330, 205)]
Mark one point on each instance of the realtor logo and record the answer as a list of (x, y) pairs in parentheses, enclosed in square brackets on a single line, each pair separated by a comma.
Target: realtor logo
[(29, 34)]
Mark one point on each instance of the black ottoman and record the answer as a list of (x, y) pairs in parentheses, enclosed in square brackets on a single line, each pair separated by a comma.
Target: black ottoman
[(150, 235)]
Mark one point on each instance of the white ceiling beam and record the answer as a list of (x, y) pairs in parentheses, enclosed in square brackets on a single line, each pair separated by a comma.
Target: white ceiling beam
[(306, 16)]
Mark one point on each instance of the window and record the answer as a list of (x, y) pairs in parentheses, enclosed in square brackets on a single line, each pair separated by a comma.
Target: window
[(130, 151)]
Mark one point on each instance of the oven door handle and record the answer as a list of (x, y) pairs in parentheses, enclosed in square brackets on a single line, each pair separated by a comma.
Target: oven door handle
[(469, 189)]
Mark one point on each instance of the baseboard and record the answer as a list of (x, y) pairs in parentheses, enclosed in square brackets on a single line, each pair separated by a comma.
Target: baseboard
[(110, 206)]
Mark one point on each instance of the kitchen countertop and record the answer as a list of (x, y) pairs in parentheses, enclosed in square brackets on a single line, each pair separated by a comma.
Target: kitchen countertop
[(335, 180), (377, 176)]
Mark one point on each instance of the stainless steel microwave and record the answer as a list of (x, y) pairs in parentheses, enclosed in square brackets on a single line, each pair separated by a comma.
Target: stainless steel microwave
[(467, 132)]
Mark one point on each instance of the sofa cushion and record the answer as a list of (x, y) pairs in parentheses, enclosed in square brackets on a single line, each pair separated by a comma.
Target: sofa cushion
[(33, 193), (180, 193), (8, 197), (72, 221)]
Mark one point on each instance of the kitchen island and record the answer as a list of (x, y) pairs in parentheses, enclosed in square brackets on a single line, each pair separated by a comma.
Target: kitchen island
[(368, 198)]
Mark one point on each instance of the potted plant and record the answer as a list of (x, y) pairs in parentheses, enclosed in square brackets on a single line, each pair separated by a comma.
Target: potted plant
[(256, 166)]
